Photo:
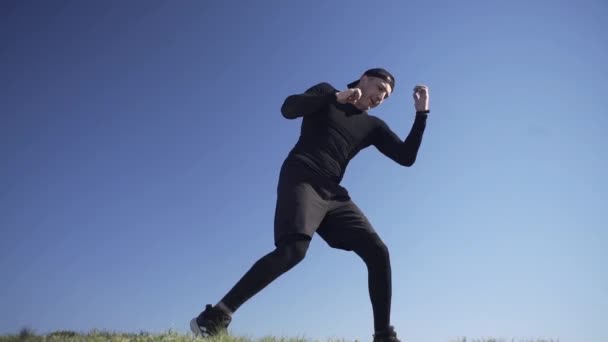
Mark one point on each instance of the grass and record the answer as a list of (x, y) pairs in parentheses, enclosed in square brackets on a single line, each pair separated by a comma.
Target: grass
[(28, 335), (492, 339)]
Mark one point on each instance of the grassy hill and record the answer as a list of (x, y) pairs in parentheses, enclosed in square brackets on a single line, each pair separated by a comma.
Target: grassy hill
[(27, 335)]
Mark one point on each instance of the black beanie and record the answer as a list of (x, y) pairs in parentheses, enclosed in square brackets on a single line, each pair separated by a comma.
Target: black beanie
[(380, 73)]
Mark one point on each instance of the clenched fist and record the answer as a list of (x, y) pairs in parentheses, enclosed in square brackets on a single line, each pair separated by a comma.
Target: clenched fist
[(421, 98), (351, 95)]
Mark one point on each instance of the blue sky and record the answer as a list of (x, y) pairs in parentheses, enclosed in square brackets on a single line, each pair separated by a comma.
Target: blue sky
[(141, 143)]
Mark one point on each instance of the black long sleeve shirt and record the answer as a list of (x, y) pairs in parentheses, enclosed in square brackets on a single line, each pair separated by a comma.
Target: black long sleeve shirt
[(333, 133)]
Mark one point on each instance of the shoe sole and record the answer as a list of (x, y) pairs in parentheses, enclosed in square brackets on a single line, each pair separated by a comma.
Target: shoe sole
[(196, 330)]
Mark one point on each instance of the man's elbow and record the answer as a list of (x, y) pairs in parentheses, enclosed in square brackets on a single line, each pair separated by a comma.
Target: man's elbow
[(288, 111), (408, 161)]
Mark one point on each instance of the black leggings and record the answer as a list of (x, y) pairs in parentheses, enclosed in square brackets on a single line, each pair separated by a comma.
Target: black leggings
[(290, 252)]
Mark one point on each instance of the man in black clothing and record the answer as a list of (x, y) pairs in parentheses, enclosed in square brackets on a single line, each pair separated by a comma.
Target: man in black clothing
[(335, 127)]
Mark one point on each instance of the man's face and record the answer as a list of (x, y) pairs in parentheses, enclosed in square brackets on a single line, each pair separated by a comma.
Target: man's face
[(373, 91)]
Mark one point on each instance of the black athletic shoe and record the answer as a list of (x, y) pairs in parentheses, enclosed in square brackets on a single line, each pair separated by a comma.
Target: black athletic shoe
[(388, 335), (210, 322)]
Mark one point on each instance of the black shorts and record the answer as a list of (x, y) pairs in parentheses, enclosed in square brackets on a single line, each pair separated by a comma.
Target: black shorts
[(306, 204)]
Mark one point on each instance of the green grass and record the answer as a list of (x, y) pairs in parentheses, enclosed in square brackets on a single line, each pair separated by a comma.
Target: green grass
[(492, 339), (27, 335)]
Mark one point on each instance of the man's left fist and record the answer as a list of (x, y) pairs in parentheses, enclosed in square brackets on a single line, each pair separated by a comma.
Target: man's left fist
[(421, 98)]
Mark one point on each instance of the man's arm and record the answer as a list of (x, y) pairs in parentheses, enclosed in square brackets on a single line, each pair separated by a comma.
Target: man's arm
[(311, 101), (403, 152)]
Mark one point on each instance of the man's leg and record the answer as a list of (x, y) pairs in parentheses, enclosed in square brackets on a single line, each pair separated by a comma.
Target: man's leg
[(216, 318), (299, 211), (346, 227), (268, 268), (375, 254)]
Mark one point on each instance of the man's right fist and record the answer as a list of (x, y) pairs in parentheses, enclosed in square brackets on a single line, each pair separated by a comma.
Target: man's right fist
[(351, 95)]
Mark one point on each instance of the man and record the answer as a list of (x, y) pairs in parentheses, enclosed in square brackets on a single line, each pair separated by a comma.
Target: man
[(335, 127)]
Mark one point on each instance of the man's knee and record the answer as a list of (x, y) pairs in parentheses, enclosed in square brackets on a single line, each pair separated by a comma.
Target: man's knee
[(372, 249), (379, 247), (294, 250)]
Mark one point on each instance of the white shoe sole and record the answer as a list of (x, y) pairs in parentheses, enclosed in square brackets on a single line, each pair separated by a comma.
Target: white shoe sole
[(196, 330)]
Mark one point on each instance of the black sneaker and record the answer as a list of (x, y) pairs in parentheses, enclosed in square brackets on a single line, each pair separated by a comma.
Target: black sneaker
[(388, 335), (210, 322)]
